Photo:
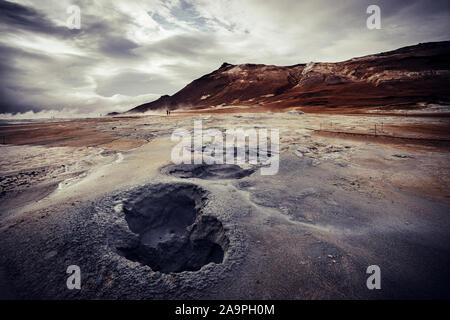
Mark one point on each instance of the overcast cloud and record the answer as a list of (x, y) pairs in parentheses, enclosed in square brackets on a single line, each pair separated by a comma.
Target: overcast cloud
[(130, 52)]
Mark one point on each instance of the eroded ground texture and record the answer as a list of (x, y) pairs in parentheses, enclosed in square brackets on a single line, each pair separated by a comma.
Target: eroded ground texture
[(103, 194)]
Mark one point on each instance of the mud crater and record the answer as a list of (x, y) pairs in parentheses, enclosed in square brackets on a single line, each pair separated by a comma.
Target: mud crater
[(173, 233), (207, 171)]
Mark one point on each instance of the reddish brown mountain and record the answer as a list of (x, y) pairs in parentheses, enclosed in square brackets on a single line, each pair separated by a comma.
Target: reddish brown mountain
[(395, 79)]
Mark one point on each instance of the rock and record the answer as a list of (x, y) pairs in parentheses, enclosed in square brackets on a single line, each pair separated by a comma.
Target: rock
[(303, 149), (402, 156), (308, 192), (51, 254), (296, 112), (341, 164)]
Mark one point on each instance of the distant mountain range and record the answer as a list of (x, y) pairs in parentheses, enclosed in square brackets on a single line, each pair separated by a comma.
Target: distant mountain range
[(389, 80)]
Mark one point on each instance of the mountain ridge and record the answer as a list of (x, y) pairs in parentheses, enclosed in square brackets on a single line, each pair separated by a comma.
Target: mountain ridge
[(392, 79)]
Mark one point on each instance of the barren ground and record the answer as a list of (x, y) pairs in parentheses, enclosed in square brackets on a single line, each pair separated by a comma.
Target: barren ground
[(102, 194)]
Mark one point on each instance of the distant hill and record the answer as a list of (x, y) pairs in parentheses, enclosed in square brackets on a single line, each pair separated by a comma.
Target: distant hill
[(394, 79)]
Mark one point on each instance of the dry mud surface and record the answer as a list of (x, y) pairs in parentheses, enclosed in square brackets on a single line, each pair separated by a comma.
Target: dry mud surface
[(103, 194)]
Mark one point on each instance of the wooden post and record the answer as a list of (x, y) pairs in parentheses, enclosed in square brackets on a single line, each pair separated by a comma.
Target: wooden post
[(375, 129)]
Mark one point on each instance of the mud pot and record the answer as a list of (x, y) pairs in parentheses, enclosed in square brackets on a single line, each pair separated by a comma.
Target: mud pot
[(174, 235), (207, 172)]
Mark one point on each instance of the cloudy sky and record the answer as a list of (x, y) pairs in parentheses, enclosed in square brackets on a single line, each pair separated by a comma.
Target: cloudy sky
[(130, 52)]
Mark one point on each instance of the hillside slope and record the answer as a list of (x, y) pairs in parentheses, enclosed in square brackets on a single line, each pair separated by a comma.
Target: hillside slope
[(394, 79)]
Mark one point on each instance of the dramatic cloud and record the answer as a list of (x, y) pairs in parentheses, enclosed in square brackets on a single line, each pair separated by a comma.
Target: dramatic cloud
[(131, 52)]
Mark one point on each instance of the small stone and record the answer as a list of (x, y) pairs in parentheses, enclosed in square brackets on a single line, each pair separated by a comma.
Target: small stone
[(303, 149), (51, 254), (315, 162), (401, 156)]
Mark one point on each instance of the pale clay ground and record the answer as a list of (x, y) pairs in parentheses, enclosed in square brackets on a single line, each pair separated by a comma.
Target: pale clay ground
[(337, 205)]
